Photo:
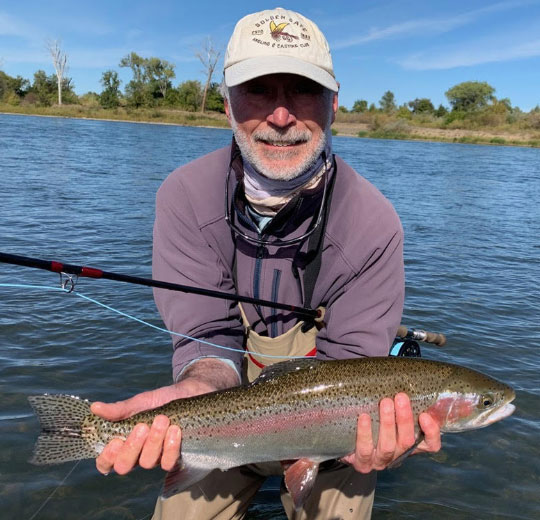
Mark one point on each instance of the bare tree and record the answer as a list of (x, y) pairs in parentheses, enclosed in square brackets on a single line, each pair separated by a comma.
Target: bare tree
[(209, 56), (59, 58)]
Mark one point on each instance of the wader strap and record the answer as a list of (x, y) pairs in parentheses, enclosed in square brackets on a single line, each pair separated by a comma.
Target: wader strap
[(312, 268), (316, 243)]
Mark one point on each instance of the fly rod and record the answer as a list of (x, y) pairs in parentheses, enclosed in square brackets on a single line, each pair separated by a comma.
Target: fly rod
[(92, 272)]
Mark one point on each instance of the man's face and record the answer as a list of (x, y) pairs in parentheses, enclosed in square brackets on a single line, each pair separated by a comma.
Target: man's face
[(281, 122)]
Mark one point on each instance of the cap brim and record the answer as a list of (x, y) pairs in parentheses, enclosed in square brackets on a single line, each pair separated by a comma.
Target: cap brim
[(263, 65)]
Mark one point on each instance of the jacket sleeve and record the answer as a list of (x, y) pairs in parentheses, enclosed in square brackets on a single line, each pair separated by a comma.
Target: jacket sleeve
[(363, 315), (182, 255)]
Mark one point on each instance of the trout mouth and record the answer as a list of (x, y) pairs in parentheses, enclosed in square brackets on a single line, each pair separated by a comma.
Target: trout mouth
[(491, 416)]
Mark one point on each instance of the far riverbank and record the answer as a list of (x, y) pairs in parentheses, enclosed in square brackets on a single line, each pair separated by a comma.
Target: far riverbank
[(343, 126)]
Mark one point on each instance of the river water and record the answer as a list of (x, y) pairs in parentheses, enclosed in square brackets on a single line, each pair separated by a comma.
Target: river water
[(83, 192)]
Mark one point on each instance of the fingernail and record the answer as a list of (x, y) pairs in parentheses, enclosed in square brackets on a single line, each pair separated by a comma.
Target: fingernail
[(174, 433), (140, 430)]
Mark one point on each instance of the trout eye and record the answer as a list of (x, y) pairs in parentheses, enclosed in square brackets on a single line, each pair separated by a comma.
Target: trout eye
[(486, 401)]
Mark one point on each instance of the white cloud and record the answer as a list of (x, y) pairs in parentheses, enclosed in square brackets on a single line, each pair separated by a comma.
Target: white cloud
[(11, 26), (426, 26), (471, 55), (411, 27)]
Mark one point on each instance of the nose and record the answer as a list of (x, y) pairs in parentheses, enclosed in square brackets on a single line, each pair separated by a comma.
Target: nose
[(281, 117)]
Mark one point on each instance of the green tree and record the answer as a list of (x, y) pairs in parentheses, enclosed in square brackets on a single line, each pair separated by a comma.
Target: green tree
[(68, 91), (506, 103), (90, 99), (214, 99), (135, 89), (421, 105), (343, 109), (404, 112), (44, 87), (190, 95), (470, 95), (110, 95), (159, 74), (441, 111), (360, 105), (388, 102), (13, 89)]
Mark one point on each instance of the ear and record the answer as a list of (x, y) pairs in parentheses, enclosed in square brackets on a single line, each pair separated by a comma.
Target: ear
[(335, 105), (227, 109)]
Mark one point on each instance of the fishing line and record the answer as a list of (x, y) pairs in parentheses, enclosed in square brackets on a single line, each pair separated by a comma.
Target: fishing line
[(46, 501), (134, 318), (138, 320)]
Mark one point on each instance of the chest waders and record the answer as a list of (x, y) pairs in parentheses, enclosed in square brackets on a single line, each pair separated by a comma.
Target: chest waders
[(299, 340)]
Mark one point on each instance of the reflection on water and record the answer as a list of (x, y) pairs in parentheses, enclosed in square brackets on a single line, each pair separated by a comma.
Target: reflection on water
[(83, 192)]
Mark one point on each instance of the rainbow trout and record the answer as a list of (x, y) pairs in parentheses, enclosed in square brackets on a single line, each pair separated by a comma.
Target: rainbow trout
[(303, 410)]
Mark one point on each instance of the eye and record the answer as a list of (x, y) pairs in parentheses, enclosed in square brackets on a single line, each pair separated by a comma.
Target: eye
[(256, 88), (307, 87), (486, 401)]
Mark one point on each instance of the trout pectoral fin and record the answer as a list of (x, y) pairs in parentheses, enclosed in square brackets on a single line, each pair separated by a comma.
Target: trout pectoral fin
[(396, 463), (299, 479), (182, 477)]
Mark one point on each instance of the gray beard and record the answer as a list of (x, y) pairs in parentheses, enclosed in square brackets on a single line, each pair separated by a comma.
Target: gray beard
[(245, 143)]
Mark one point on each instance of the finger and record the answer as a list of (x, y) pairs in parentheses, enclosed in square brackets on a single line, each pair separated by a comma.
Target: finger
[(153, 446), (171, 448), (129, 454), (386, 445), (138, 403), (105, 461), (363, 454), (122, 409), (404, 422), (432, 434), (111, 411)]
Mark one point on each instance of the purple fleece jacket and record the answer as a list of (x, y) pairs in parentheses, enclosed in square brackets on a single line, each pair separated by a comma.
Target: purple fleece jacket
[(361, 280)]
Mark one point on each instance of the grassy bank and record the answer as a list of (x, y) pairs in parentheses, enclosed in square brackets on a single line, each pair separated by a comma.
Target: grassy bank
[(525, 132), (352, 125), (139, 115)]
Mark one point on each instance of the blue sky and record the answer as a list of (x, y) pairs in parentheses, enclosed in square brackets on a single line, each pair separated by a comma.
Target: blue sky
[(415, 48)]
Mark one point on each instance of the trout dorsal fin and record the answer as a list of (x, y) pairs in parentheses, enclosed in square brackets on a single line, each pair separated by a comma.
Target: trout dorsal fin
[(285, 367)]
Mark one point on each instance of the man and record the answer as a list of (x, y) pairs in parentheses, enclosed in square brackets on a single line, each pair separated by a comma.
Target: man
[(297, 226)]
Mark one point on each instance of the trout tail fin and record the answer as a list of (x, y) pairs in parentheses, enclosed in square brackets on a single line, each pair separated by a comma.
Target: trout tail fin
[(61, 439)]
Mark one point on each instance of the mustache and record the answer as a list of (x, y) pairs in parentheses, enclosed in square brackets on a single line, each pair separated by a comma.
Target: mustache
[(288, 137)]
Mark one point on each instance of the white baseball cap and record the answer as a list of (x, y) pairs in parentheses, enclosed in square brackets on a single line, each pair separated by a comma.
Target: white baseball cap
[(278, 41)]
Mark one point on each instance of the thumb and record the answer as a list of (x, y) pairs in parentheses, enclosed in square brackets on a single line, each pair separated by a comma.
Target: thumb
[(138, 403), (119, 410)]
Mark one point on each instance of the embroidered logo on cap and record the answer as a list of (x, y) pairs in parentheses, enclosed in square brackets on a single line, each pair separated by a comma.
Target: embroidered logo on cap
[(277, 32)]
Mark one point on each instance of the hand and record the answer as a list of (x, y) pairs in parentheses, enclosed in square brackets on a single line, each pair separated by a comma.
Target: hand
[(161, 442), (145, 445), (396, 435)]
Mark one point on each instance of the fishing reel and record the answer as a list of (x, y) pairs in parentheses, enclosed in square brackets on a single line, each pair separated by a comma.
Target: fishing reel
[(405, 348), (406, 344)]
